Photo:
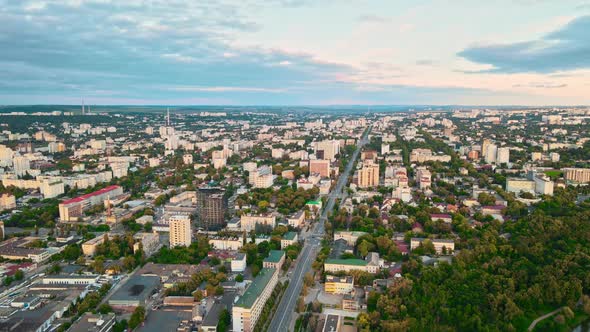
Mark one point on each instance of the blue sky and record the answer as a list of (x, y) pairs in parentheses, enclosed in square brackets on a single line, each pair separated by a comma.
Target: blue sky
[(295, 52)]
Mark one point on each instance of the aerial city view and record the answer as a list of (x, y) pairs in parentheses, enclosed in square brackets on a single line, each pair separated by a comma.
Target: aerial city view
[(294, 165)]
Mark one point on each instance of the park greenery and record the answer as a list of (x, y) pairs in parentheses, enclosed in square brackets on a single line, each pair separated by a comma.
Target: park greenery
[(504, 277)]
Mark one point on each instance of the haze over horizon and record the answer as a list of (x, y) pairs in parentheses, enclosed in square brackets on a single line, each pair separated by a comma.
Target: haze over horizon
[(295, 52)]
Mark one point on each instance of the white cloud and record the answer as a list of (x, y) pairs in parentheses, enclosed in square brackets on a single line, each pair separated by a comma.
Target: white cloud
[(179, 57)]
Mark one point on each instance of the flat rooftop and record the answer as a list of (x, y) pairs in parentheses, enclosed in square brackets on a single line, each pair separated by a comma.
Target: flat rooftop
[(137, 288), (256, 288), (274, 256)]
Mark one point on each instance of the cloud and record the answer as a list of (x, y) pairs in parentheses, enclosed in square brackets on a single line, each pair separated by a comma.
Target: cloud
[(541, 85), (372, 18), (426, 62), (565, 49)]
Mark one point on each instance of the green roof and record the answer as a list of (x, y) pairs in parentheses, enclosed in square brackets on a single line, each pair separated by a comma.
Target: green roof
[(350, 261), (274, 256), (316, 202), (289, 236), (253, 292)]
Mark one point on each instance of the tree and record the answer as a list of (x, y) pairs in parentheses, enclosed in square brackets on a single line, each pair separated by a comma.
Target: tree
[(486, 199), (105, 308), (239, 278), (19, 275), (263, 206), (224, 321), (54, 269), (137, 317), (308, 279)]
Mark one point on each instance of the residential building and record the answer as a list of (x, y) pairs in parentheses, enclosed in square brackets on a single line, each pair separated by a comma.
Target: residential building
[(503, 155), (297, 219), (226, 243), (576, 175), (320, 166), (248, 222), (51, 188), (327, 149), (148, 242), (89, 247), (248, 307), (238, 262), (275, 260), (7, 201), (72, 209), (288, 239), (262, 177), (211, 208), (424, 155), (21, 165), (491, 153), (368, 175), (180, 231)]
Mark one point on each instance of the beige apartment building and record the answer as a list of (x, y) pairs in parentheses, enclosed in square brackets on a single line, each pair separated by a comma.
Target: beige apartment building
[(368, 175), (180, 231), (578, 175)]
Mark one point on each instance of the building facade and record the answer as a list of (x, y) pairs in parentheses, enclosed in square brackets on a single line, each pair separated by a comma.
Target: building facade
[(180, 231), (211, 208)]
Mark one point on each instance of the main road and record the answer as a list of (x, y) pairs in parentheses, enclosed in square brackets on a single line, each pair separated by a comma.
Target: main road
[(281, 320)]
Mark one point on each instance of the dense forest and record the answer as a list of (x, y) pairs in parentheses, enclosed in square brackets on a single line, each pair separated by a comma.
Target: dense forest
[(506, 276)]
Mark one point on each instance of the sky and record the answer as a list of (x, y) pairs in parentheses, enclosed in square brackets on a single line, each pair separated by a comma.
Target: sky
[(295, 52)]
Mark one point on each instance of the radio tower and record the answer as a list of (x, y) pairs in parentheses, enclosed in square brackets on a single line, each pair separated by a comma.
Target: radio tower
[(82, 106)]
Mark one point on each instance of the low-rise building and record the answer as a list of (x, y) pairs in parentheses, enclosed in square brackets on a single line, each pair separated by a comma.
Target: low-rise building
[(226, 243), (297, 219), (339, 285), (248, 222), (90, 322), (349, 237), (441, 246), (275, 260), (148, 242), (238, 263), (370, 264), (75, 279), (288, 239)]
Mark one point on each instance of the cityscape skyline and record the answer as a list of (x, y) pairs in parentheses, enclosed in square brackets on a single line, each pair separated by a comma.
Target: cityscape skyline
[(295, 52)]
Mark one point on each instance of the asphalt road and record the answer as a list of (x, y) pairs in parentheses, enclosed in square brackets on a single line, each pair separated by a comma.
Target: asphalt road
[(282, 318)]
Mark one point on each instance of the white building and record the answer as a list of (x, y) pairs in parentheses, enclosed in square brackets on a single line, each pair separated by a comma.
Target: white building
[(238, 263), (21, 165), (503, 156), (226, 243)]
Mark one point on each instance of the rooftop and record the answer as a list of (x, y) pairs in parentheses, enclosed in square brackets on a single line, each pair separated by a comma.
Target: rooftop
[(87, 196), (256, 288), (350, 261), (274, 256), (290, 236)]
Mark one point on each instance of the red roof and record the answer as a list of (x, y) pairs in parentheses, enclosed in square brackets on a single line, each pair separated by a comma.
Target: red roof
[(87, 196), (402, 246)]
